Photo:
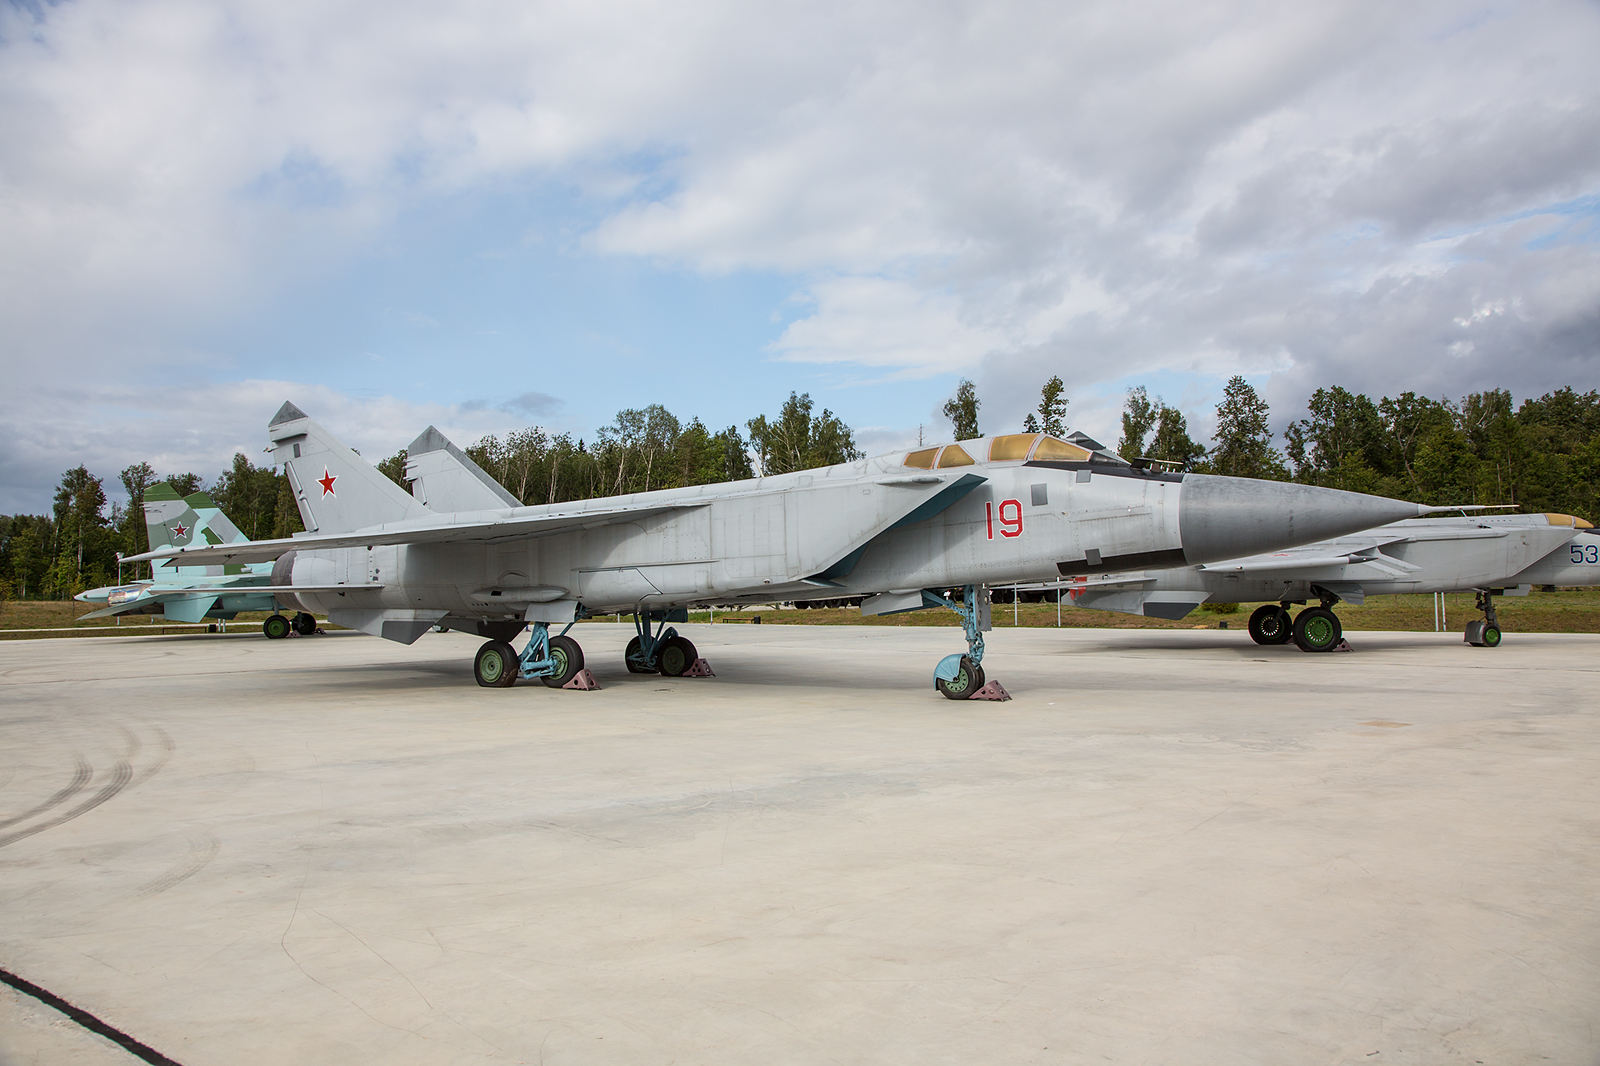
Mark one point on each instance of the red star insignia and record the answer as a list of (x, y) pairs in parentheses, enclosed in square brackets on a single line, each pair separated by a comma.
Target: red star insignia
[(326, 481), (180, 531)]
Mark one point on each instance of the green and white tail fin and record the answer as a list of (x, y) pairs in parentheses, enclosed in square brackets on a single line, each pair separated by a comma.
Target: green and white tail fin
[(336, 490), (182, 521)]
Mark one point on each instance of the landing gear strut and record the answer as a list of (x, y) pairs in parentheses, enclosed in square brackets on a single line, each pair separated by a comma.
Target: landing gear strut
[(663, 651), (554, 660), (960, 677), (1485, 633)]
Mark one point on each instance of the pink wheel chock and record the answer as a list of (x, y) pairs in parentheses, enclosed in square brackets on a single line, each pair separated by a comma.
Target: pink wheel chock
[(992, 691), (583, 681)]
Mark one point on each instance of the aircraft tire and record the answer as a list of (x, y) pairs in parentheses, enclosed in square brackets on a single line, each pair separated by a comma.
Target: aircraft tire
[(676, 656), (968, 680), (1317, 629), (627, 658), (275, 627), (1271, 624), (496, 665), (569, 660), (304, 624), (1491, 636)]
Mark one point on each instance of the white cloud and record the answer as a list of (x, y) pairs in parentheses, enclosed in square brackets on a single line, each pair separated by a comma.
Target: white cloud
[(883, 324), (1315, 193), (196, 429)]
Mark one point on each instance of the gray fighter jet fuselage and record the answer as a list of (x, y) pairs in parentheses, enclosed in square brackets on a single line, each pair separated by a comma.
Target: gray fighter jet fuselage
[(898, 530), (1486, 554)]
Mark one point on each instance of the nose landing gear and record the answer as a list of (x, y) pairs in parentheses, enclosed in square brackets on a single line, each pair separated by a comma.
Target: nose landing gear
[(1484, 633), (960, 677)]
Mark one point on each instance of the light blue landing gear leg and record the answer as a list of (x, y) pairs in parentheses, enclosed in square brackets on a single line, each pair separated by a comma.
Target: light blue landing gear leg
[(662, 651), (557, 661), (960, 677)]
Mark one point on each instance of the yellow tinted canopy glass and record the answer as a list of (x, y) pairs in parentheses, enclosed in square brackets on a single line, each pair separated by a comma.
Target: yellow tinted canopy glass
[(922, 460), (1051, 448), (1012, 446), (954, 455)]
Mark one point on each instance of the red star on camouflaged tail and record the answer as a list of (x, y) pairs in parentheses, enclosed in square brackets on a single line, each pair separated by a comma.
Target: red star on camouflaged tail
[(326, 481), (180, 531)]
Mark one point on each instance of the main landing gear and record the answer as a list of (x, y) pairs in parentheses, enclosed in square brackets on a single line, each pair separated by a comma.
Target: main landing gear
[(557, 661), (960, 677), (1313, 629), (1485, 633), (277, 626), (662, 651)]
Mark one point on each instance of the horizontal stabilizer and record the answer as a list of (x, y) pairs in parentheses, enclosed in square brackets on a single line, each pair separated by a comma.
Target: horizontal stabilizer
[(397, 624), (438, 529)]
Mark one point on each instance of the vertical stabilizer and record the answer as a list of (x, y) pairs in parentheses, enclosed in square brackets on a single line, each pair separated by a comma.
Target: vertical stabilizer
[(215, 527), (337, 490), (184, 521), (445, 479), (168, 518)]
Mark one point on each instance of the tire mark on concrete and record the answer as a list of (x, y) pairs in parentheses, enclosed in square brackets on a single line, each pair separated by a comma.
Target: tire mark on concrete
[(80, 778), (167, 748), (121, 774), (202, 849), (121, 777)]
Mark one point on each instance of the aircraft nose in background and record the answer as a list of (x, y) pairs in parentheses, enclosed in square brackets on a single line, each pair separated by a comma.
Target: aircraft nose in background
[(1227, 517)]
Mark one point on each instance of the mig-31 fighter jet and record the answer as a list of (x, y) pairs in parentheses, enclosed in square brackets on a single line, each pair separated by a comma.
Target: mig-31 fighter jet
[(900, 530), (1490, 555)]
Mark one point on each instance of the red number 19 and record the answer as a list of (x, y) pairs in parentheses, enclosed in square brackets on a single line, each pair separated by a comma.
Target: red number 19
[(1010, 518)]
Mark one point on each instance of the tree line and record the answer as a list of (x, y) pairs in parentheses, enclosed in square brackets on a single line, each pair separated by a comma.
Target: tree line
[(1541, 455), (75, 547)]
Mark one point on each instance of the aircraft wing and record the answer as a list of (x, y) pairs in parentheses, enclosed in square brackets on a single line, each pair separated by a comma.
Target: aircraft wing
[(441, 530), (1344, 552), (192, 592)]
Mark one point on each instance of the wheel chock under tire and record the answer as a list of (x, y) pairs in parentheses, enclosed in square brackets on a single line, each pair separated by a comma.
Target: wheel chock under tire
[(1343, 645), (992, 691), (583, 681), (701, 668)]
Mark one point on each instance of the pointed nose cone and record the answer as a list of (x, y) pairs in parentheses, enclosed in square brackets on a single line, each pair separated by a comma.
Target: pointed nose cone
[(1228, 517)]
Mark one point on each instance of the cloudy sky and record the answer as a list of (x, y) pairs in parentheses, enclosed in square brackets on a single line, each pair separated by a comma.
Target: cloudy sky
[(488, 214)]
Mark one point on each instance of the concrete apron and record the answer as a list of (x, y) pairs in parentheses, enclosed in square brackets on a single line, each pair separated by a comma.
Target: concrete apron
[(1169, 847)]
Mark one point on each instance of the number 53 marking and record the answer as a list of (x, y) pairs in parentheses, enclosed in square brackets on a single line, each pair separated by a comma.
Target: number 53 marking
[(1586, 553)]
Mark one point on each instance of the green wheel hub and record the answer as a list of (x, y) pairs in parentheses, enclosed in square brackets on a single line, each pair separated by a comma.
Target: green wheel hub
[(672, 660), (493, 668), (1319, 632)]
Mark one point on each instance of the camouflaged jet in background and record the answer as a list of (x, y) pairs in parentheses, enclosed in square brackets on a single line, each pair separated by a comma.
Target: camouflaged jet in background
[(195, 593), (900, 530), (1491, 555)]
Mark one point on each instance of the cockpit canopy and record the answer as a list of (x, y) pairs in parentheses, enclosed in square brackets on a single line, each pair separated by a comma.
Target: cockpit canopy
[(1015, 447)]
